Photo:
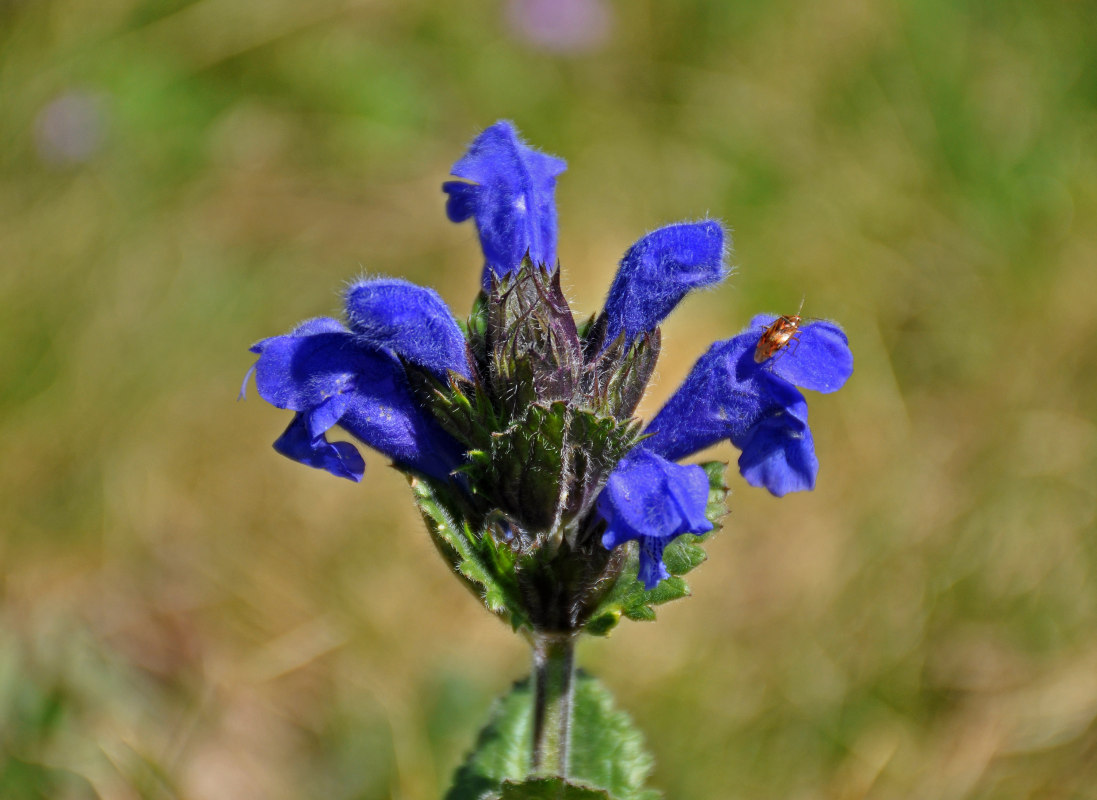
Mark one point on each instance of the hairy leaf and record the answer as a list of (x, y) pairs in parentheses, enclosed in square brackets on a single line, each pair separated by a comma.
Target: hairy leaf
[(549, 789), (606, 750)]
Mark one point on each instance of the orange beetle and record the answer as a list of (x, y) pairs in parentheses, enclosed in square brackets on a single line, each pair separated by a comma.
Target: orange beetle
[(779, 335)]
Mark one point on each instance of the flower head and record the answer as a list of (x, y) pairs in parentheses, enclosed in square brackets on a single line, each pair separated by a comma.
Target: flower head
[(518, 430)]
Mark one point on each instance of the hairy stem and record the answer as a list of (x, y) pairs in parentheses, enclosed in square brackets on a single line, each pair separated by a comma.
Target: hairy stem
[(553, 676)]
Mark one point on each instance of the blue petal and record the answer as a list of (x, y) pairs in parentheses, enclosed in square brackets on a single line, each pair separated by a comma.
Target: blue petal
[(727, 395), (326, 416), (652, 500), (309, 326), (819, 360), (301, 370), (329, 377), (511, 197), (341, 459), (780, 456), (412, 321), (658, 271), (688, 489), (461, 203), (724, 396), (652, 569)]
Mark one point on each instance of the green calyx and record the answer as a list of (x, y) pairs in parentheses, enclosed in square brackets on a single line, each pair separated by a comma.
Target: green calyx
[(547, 413)]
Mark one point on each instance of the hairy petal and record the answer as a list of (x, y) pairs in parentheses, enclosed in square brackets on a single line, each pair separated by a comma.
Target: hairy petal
[(326, 375), (652, 500), (658, 271), (510, 194), (411, 321), (341, 459), (724, 396), (818, 359), (728, 396), (780, 456), (306, 328), (652, 569)]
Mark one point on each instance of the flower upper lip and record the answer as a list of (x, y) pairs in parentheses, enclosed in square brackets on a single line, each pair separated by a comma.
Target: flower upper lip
[(508, 188)]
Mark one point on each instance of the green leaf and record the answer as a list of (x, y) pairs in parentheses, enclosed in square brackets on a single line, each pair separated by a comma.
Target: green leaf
[(549, 789), (629, 599), (607, 752), (607, 749)]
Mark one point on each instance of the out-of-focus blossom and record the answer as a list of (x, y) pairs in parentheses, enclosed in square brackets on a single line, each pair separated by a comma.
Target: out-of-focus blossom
[(564, 26), (70, 129)]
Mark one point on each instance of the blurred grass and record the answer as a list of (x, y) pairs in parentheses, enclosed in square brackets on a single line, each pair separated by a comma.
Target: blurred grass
[(185, 614)]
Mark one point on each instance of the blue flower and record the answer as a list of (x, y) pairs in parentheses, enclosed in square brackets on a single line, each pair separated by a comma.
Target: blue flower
[(408, 320), (728, 395), (360, 376), (510, 195), (330, 375), (652, 500)]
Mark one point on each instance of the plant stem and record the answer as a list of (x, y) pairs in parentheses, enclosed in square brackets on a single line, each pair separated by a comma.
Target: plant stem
[(553, 676)]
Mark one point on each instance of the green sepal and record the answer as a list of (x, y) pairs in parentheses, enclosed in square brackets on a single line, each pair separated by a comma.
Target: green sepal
[(630, 599), (607, 752), (477, 326), (527, 466), (483, 563), (615, 379), (717, 507), (463, 409), (583, 328), (520, 465)]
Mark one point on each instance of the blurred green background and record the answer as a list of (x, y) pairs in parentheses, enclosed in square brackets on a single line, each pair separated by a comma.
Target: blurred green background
[(186, 614)]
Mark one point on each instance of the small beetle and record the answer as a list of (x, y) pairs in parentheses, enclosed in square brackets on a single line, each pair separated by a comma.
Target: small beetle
[(779, 335)]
